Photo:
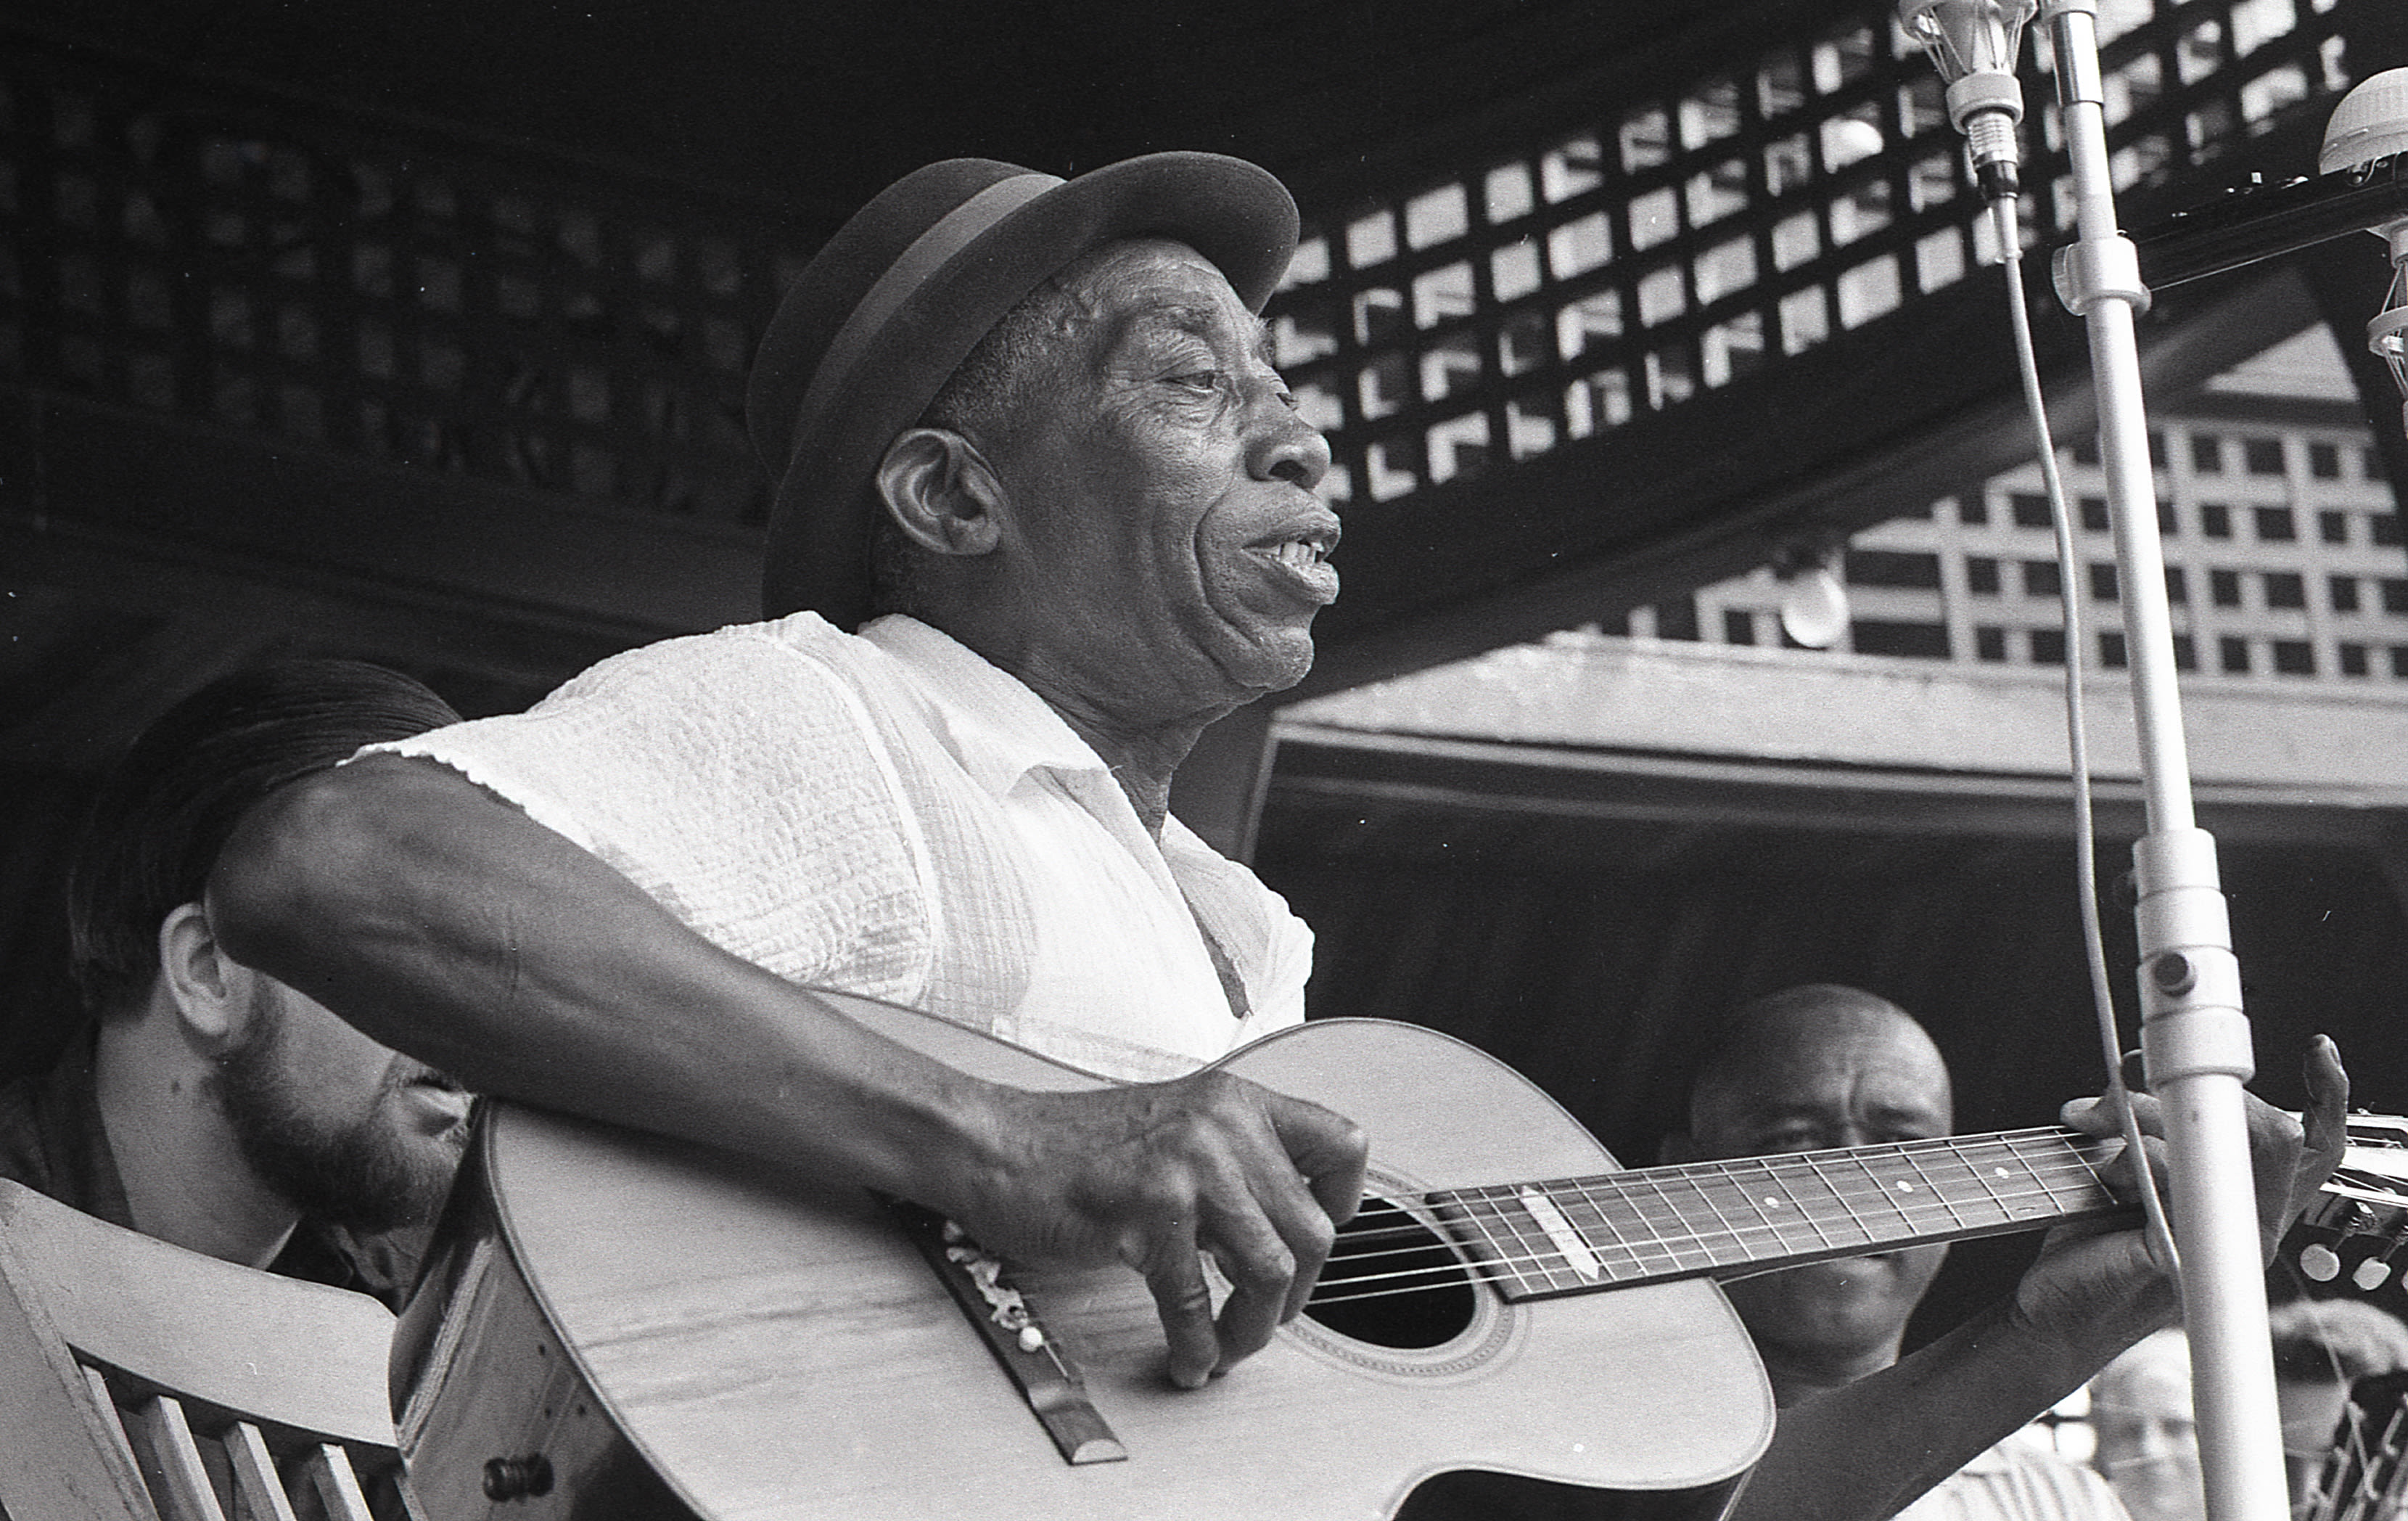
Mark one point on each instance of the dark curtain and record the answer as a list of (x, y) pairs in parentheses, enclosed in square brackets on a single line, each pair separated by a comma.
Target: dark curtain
[(40, 813)]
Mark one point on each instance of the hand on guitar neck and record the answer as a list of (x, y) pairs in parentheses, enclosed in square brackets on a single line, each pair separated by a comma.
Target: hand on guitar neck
[(2093, 1291), (2087, 1277)]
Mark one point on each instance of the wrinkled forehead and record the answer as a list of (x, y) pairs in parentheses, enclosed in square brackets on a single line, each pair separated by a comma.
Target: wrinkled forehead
[(1836, 1062), (1152, 283)]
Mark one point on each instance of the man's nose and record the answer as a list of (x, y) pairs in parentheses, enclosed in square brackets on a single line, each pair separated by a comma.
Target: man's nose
[(1285, 446)]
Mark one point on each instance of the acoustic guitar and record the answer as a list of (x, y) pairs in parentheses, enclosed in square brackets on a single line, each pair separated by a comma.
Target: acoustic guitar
[(614, 1325)]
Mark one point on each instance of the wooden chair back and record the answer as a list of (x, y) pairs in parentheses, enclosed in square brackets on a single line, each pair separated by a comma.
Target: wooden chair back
[(140, 1382)]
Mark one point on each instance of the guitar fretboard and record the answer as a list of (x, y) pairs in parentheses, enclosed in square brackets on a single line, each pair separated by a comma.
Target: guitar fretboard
[(1572, 1235)]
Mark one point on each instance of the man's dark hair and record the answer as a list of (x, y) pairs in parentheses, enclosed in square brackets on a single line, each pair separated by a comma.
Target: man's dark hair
[(167, 808)]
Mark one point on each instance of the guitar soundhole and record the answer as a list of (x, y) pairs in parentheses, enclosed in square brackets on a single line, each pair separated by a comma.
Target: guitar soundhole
[(1393, 1282)]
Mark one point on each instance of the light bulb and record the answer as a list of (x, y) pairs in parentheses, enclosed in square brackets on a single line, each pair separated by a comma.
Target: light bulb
[(1814, 608)]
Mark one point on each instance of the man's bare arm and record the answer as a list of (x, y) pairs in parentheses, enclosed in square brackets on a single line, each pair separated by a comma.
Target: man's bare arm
[(449, 924), (1863, 1450)]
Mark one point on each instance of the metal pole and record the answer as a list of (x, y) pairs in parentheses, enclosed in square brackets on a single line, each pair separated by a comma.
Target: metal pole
[(2194, 1038)]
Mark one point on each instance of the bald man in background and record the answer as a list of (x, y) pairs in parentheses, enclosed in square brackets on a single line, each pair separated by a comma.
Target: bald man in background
[(1823, 1066)]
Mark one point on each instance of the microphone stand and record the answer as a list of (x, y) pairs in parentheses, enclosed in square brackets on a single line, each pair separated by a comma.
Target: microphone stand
[(2194, 1039)]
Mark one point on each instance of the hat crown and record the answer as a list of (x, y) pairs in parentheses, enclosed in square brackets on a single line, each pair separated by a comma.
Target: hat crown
[(837, 279)]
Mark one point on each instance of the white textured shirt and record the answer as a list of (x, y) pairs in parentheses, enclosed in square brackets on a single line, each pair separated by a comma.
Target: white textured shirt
[(2019, 1480), (886, 813)]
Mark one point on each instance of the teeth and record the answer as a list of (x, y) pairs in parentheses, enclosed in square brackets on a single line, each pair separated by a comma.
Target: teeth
[(1300, 555)]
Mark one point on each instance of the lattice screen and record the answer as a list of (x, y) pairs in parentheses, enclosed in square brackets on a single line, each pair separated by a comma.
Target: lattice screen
[(443, 307), (410, 299), (1663, 247)]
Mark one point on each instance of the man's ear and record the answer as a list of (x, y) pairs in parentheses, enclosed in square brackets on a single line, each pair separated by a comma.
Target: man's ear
[(1677, 1148), (942, 492), (211, 993)]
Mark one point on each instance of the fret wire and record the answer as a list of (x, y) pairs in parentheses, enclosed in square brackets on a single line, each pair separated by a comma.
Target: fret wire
[(1618, 1253), (1564, 1264), (1511, 1208), (1768, 1226), (1984, 1176), (1633, 1199), (2088, 1165), (1638, 1200), (1905, 1221), (1737, 1233), (2036, 1172), (1514, 1260), (2081, 1191), (1939, 1192), (1587, 1209), (1765, 1175), (2039, 1174), (1773, 1175), (1525, 1262), (1815, 1167)]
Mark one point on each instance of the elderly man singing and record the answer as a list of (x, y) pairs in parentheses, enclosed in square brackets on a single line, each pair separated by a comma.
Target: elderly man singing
[(1029, 443)]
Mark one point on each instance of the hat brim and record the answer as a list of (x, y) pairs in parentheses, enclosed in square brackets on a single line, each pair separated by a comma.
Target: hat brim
[(1233, 213)]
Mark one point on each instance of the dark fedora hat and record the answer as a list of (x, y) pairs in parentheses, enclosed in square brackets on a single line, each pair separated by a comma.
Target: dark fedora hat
[(884, 314)]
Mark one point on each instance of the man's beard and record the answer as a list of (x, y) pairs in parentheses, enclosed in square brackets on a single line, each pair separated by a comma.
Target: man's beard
[(366, 1174)]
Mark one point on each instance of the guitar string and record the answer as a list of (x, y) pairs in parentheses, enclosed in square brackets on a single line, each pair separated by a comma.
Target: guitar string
[(1737, 1175), (2070, 1154), (2363, 1486), (1997, 1209), (1845, 1201), (1424, 1239), (1628, 1266), (1633, 1265), (2069, 1162)]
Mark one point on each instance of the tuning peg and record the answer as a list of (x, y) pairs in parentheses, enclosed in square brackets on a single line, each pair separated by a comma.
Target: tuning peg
[(2372, 1274), (2320, 1262)]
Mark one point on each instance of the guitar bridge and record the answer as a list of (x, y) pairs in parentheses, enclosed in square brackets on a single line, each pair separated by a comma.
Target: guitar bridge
[(1043, 1372)]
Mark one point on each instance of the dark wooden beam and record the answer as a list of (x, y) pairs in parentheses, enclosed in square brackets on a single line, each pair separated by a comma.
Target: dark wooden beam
[(1423, 783), (143, 511)]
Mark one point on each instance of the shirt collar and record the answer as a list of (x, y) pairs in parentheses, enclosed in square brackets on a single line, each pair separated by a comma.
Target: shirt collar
[(1000, 729)]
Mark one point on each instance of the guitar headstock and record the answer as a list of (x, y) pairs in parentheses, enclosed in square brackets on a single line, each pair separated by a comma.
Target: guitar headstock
[(2362, 1213), (2363, 1475)]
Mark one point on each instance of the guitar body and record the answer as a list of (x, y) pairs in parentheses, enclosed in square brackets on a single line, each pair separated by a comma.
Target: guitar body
[(637, 1328)]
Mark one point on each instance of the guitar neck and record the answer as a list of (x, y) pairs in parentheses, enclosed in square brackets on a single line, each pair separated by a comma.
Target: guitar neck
[(1725, 1218)]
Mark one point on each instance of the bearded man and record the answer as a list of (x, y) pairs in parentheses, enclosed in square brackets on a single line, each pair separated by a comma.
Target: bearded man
[(210, 1105)]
